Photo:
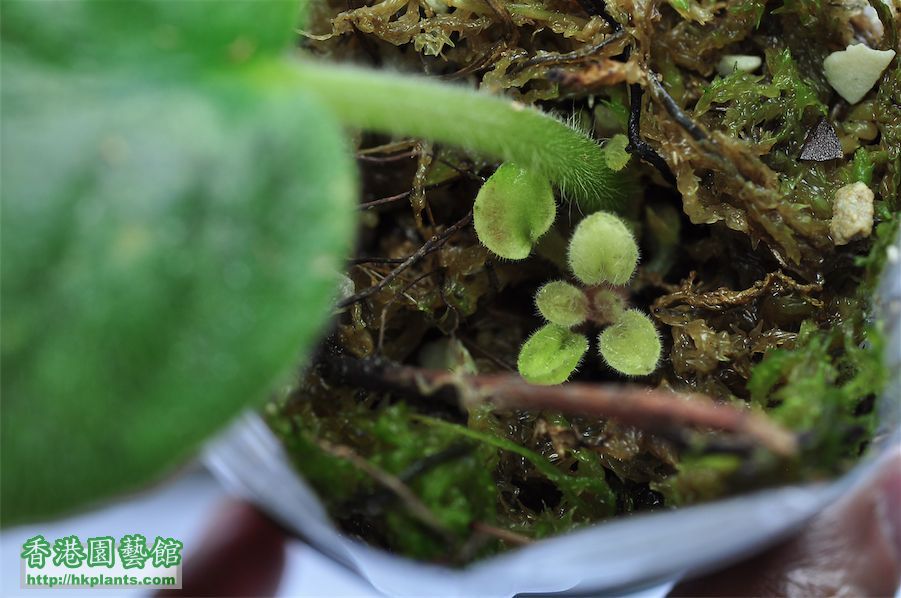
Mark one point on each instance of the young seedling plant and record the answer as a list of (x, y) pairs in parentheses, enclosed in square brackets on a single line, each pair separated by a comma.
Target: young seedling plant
[(602, 256), (513, 209)]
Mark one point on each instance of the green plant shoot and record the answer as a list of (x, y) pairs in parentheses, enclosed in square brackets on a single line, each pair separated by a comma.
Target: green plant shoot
[(607, 306), (489, 126), (615, 153), (604, 251)]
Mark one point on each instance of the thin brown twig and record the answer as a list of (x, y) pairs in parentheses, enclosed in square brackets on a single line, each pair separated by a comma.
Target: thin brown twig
[(417, 508), (484, 59), (368, 205), (649, 409), (429, 246), (461, 171), (633, 405), (356, 261)]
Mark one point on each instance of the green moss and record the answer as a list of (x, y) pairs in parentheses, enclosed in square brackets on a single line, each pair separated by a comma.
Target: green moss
[(862, 167), (807, 11), (699, 478), (584, 489), (766, 110), (825, 384), (458, 491), (818, 391)]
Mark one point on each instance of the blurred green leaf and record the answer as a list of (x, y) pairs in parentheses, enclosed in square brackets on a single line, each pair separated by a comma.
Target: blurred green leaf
[(168, 250), (150, 36)]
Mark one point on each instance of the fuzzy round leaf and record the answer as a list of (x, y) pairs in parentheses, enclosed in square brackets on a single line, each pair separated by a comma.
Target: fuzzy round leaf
[(602, 249), (561, 303), (512, 210), (631, 346), (551, 355)]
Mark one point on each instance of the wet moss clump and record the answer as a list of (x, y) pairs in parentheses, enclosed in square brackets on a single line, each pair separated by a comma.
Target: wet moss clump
[(756, 305)]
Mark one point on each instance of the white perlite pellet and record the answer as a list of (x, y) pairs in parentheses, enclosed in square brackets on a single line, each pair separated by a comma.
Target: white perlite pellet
[(853, 71), (852, 213), (730, 63)]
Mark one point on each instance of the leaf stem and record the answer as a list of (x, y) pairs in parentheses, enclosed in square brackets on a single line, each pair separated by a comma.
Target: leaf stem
[(490, 126)]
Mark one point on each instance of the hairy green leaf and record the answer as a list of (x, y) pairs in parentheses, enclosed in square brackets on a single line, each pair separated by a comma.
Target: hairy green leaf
[(513, 209), (168, 252), (561, 303), (602, 249), (631, 346), (551, 355)]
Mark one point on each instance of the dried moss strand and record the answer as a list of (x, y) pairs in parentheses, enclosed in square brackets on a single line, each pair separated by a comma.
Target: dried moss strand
[(486, 125), (723, 298), (569, 57), (598, 8)]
